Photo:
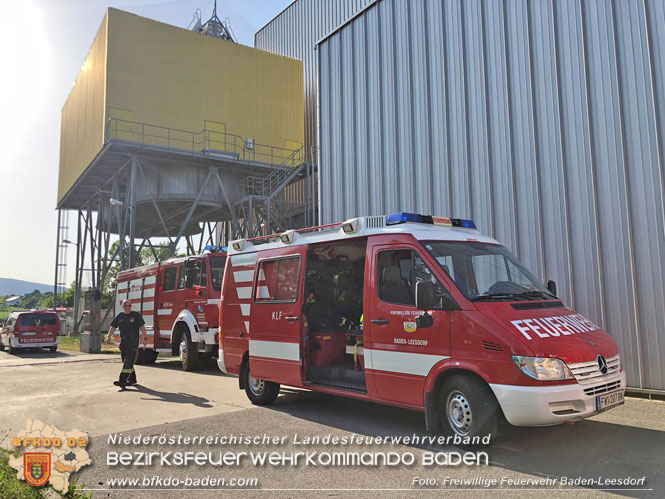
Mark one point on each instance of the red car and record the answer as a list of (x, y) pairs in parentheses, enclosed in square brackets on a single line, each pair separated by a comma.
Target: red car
[(415, 311), (31, 329)]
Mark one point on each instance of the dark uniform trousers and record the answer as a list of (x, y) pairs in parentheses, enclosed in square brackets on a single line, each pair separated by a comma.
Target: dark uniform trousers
[(129, 351)]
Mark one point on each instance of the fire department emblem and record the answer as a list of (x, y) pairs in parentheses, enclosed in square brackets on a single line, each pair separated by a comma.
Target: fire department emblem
[(410, 326), (37, 468)]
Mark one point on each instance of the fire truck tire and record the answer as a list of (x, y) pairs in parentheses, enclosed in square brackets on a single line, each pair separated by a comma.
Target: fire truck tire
[(53, 349), (146, 357), (260, 392), (150, 357), (188, 352), (468, 408)]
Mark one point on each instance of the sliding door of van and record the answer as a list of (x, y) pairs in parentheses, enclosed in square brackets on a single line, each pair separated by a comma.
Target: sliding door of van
[(275, 335), (398, 355)]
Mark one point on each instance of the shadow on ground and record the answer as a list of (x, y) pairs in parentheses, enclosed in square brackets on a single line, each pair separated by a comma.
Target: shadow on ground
[(172, 397), (588, 448), (206, 367)]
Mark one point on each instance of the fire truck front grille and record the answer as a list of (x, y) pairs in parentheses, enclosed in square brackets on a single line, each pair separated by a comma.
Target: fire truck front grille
[(604, 388), (588, 373)]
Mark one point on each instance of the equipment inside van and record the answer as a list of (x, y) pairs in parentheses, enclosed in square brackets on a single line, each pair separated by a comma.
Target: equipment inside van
[(333, 308)]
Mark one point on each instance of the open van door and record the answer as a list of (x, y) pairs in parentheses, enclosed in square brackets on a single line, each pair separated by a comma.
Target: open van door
[(276, 328)]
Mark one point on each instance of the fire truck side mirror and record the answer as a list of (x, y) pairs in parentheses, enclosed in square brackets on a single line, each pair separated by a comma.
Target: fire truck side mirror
[(551, 286), (425, 299), (425, 320)]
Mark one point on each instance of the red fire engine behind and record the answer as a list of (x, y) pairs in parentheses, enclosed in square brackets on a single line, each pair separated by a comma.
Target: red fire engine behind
[(179, 301)]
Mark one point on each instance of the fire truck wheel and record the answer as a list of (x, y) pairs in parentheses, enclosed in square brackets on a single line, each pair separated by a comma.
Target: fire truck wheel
[(468, 408), (189, 353), (260, 392), (150, 357), (53, 349), (146, 357)]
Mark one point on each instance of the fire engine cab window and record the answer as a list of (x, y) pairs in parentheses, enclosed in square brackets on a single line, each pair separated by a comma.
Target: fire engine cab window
[(399, 271), (277, 280), (204, 274), (193, 274), (181, 277), (169, 278), (217, 271)]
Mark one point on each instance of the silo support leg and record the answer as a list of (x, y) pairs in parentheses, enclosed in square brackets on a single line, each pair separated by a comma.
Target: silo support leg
[(188, 218)]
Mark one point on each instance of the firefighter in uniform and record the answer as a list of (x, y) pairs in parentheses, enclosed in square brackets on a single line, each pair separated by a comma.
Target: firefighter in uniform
[(129, 323)]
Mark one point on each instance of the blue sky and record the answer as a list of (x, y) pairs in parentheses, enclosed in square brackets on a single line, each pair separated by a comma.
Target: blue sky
[(43, 44)]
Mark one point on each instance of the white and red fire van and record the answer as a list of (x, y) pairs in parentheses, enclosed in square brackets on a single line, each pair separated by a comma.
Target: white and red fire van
[(179, 301), (31, 329), (415, 311)]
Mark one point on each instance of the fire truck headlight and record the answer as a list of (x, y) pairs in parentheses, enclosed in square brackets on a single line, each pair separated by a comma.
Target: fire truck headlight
[(543, 368)]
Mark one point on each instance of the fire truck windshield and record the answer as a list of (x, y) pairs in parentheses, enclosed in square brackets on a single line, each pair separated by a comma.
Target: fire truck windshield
[(486, 271)]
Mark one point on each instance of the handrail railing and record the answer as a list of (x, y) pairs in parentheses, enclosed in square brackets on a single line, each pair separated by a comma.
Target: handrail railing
[(207, 140)]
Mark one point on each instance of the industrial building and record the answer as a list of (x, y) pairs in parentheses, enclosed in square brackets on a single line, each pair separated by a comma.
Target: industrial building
[(544, 121), (182, 135)]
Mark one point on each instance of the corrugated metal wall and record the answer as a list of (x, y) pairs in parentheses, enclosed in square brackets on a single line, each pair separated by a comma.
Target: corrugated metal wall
[(543, 121), (295, 32), (82, 116)]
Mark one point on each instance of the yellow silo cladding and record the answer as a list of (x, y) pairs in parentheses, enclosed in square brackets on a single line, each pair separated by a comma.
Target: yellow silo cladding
[(147, 81)]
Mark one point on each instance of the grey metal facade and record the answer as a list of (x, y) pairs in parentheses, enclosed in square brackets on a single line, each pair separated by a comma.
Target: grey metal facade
[(541, 120), (295, 33)]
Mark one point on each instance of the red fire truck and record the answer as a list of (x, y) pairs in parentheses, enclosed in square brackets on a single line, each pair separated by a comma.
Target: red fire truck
[(179, 301), (415, 311)]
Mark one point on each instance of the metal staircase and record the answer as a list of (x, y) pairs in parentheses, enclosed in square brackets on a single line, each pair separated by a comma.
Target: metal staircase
[(279, 178), (262, 201)]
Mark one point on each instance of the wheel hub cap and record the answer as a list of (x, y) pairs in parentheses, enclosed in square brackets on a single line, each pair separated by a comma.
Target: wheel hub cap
[(183, 350), (459, 413), (256, 385)]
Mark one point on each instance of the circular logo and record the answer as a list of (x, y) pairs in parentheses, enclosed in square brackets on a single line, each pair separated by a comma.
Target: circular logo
[(602, 364)]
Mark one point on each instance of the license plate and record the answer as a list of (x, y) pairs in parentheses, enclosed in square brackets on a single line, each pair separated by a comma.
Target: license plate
[(28, 333), (609, 400)]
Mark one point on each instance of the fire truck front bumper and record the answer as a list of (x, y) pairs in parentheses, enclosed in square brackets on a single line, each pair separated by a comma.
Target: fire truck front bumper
[(220, 361), (556, 404)]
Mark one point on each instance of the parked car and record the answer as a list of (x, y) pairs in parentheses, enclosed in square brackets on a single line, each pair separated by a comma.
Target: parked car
[(31, 329)]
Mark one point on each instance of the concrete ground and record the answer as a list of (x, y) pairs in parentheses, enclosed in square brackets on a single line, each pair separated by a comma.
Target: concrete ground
[(72, 390)]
